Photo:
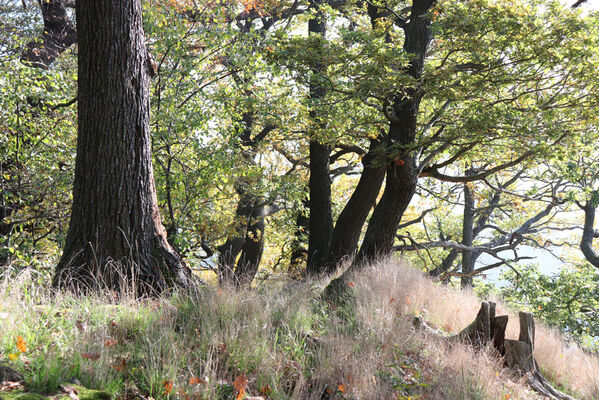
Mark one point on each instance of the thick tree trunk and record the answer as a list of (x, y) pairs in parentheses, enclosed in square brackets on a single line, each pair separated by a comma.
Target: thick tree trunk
[(321, 216), (229, 251), (115, 235), (351, 220), (402, 176)]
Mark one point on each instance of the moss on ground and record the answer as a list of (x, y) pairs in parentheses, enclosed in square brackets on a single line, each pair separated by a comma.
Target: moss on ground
[(82, 393)]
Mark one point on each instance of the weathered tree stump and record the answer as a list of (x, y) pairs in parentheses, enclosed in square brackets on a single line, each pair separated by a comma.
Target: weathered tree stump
[(487, 328)]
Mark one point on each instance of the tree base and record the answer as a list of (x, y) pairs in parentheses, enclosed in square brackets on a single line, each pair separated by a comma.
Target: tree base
[(149, 272)]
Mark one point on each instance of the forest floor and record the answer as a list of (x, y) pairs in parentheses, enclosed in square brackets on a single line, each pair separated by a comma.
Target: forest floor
[(277, 341)]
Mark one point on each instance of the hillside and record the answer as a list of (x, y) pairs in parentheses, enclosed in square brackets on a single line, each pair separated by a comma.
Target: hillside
[(279, 343)]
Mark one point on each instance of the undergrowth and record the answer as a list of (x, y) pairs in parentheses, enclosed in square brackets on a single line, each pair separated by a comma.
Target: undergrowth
[(279, 341)]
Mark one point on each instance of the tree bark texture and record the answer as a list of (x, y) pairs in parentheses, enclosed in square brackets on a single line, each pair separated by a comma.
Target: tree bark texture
[(344, 241), (321, 215), (115, 233)]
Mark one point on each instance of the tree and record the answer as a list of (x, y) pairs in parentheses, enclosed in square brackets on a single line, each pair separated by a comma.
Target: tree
[(115, 234)]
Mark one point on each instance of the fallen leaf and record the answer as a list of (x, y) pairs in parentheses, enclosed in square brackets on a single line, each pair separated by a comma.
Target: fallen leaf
[(13, 357), (90, 356), (110, 342), (168, 386), (341, 388), (196, 380), (240, 385), (351, 284), (21, 345)]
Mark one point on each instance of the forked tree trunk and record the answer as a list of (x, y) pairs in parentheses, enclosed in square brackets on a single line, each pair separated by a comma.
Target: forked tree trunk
[(115, 233), (346, 234)]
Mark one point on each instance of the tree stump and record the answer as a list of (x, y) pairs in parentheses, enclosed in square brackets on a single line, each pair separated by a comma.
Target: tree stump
[(487, 328)]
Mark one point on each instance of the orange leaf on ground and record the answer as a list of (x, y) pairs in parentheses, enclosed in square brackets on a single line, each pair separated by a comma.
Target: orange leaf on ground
[(90, 356), (110, 342), (351, 284), (341, 388), (168, 386), (21, 345), (195, 380), (240, 385)]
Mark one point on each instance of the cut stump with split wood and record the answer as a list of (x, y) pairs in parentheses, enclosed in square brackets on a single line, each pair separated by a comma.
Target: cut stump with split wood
[(488, 328)]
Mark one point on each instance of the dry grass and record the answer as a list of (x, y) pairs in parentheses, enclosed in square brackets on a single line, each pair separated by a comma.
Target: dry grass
[(290, 344), (452, 310)]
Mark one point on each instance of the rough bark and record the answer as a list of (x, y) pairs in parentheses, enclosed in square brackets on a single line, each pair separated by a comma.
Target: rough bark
[(59, 34), (344, 241), (321, 215), (115, 235)]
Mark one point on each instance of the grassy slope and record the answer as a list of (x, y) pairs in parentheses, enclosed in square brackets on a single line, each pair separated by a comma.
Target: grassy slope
[(286, 342)]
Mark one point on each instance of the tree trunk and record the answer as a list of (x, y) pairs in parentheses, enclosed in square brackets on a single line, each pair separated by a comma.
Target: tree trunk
[(115, 235), (402, 176), (321, 216), (467, 235), (351, 220), (253, 247), (588, 234), (401, 171)]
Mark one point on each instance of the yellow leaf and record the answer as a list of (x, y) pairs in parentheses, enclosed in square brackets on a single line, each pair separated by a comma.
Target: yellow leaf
[(13, 357)]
